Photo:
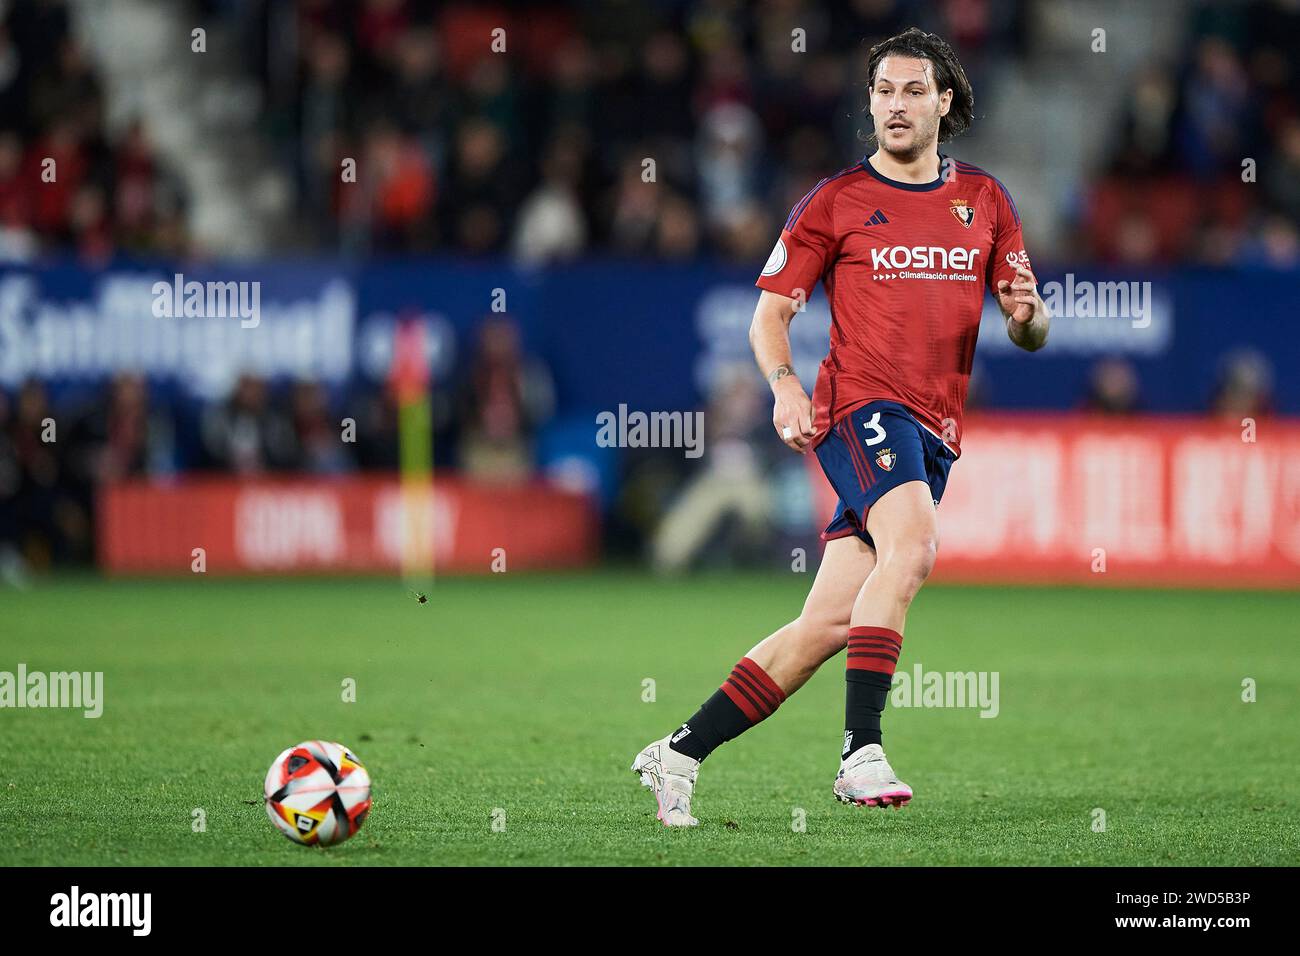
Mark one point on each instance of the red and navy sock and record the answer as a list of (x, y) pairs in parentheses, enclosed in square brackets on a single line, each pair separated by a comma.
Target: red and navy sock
[(747, 696), (873, 655)]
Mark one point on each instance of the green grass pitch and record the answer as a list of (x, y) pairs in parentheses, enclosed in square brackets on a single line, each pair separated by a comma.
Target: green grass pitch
[(522, 695)]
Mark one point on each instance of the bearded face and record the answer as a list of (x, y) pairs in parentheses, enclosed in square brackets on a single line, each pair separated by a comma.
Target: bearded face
[(907, 106)]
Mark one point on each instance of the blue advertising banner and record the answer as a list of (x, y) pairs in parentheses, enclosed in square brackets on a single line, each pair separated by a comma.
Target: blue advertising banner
[(651, 336)]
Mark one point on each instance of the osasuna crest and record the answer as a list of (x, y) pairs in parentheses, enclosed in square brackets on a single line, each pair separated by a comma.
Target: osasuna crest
[(963, 211), (885, 459)]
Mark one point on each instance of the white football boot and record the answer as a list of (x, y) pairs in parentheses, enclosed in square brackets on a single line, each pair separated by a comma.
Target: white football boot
[(867, 779), (670, 776)]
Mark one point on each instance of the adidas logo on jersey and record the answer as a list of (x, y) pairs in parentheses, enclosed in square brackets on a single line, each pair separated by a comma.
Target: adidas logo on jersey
[(877, 219)]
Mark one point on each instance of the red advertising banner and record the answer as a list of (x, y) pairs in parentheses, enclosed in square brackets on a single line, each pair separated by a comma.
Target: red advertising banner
[(1046, 498), (1150, 500), (351, 524)]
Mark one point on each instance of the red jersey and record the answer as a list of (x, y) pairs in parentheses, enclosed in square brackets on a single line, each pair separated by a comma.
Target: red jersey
[(905, 266)]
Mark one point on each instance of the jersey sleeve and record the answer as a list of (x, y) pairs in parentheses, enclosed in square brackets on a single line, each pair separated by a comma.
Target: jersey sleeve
[(1008, 241), (805, 249)]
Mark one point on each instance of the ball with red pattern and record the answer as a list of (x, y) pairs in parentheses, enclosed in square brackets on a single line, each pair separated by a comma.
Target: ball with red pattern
[(317, 793)]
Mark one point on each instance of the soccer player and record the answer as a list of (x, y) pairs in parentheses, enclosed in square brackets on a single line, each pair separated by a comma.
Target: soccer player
[(904, 243)]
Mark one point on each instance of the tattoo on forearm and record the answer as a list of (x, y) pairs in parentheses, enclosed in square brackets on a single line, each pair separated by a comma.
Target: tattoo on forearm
[(1030, 335), (781, 371)]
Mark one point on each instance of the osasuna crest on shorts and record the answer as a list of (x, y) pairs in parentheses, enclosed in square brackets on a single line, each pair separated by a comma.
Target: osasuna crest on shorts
[(873, 449)]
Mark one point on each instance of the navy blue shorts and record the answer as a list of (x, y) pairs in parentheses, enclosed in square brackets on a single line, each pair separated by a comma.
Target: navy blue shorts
[(871, 450)]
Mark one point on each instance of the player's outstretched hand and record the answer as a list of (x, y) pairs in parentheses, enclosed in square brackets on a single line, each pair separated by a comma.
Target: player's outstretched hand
[(1020, 300), (792, 414)]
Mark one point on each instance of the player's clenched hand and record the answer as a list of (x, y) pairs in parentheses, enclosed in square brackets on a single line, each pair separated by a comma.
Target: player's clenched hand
[(792, 414), (1020, 300)]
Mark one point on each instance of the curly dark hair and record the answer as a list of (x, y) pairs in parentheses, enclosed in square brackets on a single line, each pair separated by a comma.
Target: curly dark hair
[(948, 74)]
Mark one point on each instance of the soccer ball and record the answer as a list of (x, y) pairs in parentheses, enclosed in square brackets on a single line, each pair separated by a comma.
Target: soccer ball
[(317, 793)]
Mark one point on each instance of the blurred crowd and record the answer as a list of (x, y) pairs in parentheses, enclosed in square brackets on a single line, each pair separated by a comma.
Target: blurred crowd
[(98, 194), (542, 153), (1206, 162)]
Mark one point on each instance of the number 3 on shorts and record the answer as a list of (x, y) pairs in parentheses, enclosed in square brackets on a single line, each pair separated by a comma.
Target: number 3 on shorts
[(877, 433)]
